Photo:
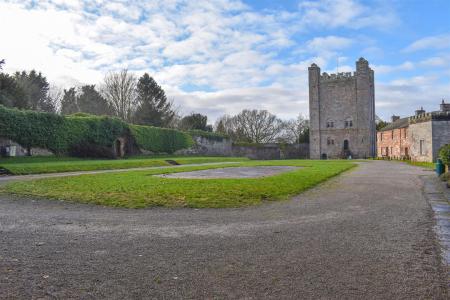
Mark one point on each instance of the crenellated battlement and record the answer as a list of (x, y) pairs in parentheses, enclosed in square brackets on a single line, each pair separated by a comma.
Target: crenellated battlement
[(339, 76), (430, 116)]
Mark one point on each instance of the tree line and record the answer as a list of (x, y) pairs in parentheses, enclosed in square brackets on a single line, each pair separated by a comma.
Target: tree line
[(141, 101)]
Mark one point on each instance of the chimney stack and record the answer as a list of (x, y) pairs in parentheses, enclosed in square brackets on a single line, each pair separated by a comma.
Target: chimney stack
[(420, 111), (445, 106), (395, 118)]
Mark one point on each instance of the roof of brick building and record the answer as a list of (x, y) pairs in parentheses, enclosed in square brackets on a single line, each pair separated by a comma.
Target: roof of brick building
[(400, 123)]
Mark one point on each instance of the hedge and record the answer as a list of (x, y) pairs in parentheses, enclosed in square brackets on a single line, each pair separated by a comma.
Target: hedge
[(160, 139), (444, 154), (33, 129), (71, 134)]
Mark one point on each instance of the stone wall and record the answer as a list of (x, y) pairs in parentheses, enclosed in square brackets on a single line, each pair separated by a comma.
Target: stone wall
[(209, 147), (293, 151), (421, 151), (216, 147), (272, 151), (267, 151), (441, 136), (11, 148)]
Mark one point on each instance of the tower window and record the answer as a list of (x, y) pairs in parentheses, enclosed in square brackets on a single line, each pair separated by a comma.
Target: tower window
[(422, 147)]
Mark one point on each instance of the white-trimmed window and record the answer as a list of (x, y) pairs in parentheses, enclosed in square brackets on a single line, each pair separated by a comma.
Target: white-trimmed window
[(348, 123)]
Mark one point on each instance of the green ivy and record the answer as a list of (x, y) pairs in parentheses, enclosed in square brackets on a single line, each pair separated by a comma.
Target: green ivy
[(62, 135), (159, 140), (444, 154)]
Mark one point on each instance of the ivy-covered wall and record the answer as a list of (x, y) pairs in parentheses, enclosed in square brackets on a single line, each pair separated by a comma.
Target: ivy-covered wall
[(85, 135)]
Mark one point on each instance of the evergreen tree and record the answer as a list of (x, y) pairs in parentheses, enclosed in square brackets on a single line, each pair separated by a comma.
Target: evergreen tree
[(153, 107), (35, 88), (90, 101), (11, 94), (195, 121), (69, 102)]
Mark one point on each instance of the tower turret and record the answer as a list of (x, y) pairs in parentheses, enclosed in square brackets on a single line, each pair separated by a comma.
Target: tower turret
[(314, 111)]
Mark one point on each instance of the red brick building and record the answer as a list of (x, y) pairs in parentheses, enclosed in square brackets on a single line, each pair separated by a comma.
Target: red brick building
[(418, 137), (393, 141)]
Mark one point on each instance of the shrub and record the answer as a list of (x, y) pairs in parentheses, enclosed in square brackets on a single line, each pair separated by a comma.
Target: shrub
[(160, 139), (444, 154), (445, 176)]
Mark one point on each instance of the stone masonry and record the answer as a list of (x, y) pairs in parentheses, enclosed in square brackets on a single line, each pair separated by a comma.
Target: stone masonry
[(342, 113), (418, 137)]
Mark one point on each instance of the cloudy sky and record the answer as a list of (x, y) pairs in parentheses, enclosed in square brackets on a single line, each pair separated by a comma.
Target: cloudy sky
[(220, 56)]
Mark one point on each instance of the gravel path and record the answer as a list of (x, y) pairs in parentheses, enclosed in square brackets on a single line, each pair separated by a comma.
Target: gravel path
[(367, 234)]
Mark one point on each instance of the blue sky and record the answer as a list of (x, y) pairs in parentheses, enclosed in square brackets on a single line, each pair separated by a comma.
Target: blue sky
[(221, 56)]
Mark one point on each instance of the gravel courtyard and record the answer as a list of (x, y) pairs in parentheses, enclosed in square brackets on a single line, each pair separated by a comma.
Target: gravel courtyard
[(365, 234)]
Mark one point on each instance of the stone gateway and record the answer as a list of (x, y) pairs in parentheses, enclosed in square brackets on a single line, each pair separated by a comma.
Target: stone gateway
[(342, 113)]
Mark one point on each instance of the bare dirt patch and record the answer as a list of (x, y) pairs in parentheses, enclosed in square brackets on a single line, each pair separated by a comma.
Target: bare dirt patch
[(236, 172)]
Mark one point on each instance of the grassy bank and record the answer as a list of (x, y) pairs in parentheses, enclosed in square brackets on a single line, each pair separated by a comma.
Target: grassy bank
[(428, 165), (54, 164), (138, 189)]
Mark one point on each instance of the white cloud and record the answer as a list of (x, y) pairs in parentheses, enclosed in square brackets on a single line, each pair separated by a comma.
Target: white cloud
[(345, 13), (329, 42), (384, 69), (211, 56), (431, 42)]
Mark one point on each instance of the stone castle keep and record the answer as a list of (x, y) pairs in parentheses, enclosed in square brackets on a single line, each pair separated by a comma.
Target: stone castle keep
[(342, 113)]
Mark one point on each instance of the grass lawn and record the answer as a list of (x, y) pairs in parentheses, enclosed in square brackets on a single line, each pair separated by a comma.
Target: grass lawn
[(54, 164), (428, 165), (138, 189)]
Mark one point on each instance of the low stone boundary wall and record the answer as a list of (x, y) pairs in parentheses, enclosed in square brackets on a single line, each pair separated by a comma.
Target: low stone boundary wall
[(272, 151), (224, 147)]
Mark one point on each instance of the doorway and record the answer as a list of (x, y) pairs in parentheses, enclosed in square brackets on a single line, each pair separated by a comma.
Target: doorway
[(346, 147), (118, 147)]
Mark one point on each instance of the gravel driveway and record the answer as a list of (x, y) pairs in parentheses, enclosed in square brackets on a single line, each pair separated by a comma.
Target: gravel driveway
[(367, 234)]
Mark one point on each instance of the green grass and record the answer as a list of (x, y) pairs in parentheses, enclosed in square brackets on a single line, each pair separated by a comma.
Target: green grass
[(39, 165), (428, 165), (138, 189)]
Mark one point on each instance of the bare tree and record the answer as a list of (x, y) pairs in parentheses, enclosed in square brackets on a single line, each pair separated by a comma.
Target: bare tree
[(255, 126), (227, 125), (296, 130), (55, 96), (119, 89)]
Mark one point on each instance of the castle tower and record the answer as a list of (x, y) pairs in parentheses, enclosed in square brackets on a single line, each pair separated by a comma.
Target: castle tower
[(342, 113)]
